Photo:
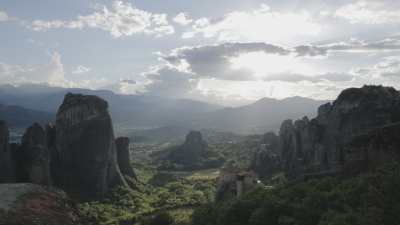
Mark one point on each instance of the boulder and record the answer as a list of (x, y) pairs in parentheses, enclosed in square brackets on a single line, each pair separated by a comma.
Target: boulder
[(23, 204), (85, 164), (6, 163)]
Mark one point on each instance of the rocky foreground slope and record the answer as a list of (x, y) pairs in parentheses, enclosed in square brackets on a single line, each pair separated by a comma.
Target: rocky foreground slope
[(23, 204)]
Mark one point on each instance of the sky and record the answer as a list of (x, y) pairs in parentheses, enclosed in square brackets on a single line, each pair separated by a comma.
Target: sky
[(228, 52)]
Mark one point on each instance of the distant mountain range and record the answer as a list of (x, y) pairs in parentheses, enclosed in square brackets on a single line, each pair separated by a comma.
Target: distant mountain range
[(127, 110), (19, 117), (264, 115), (40, 102)]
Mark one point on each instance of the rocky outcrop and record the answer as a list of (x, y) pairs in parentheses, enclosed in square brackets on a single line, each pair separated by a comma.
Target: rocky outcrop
[(124, 162), (34, 204), (193, 148), (85, 164), (6, 164), (233, 182), (32, 157), (322, 144), (194, 153), (373, 148), (51, 134), (266, 160)]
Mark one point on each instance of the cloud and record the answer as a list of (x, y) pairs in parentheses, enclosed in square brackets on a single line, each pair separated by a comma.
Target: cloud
[(387, 70), (128, 81), (370, 12), (123, 19), (213, 74), (178, 80), (386, 44), (51, 73), (352, 45), (81, 69), (315, 78), (4, 16), (198, 71), (309, 50), (182, 19), (261, 24), (215, 60), (171, 82), (125, 86)]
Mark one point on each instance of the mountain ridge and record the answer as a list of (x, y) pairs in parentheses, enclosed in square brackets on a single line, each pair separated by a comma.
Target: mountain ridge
[(144, 112)]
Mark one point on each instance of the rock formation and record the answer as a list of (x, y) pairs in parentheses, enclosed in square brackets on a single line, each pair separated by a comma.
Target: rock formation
[(6, 163), (193, 148), (85, 164), (266, 160), (32, 157), (124, 162), (34, 204), (373, 148), (322, 144), (52, 147), (233, 182), (123, 155), (194, 153)]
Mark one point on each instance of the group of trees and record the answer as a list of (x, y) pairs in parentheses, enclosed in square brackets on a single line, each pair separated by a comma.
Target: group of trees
[(369, 199), (151, 203)]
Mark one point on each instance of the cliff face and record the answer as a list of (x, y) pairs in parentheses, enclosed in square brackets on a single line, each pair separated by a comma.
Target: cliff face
[(122, 145), (371, 149), (6, 163), (85, 164), (322, 145), (266, 160)]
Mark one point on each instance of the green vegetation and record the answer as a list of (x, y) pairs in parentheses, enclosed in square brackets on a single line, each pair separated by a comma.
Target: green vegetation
[(209, 159), (369, 199), (165, 193), (165, 198), (186, 197), (238, 154)]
